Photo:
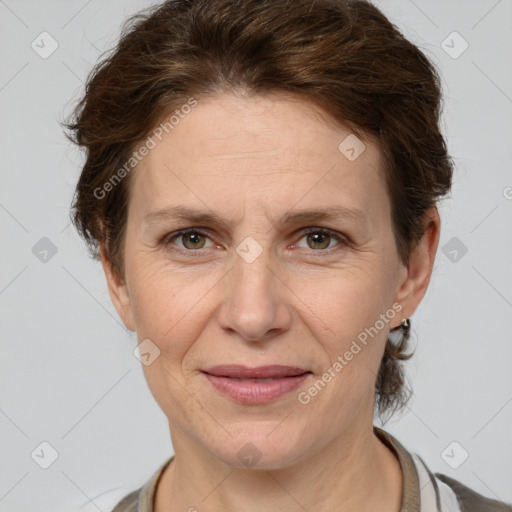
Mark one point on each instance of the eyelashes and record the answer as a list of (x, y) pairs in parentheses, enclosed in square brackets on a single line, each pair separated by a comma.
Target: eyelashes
[(183, 233), (314, 235)]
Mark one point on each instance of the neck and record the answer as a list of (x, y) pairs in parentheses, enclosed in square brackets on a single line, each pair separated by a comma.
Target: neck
[(356, 470)]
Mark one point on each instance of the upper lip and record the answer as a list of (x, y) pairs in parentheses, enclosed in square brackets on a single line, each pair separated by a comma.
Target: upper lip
[(258, 372)]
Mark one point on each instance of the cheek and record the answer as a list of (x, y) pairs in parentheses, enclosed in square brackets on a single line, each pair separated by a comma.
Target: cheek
[(350, 314), (353, 340), (168, 307), (172, 306), (170, 310), (345, 302)]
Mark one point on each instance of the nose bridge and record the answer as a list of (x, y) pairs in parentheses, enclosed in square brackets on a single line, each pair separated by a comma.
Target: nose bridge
[(251, 277), (253, 304), (251, 268)]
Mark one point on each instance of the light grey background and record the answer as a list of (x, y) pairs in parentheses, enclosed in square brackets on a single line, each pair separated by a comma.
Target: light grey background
[(68, 375)]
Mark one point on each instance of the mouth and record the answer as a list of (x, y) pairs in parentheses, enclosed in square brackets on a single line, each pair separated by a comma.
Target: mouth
[(256, 385)]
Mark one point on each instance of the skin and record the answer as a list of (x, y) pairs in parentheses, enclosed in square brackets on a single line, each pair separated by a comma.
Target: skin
[(300, 303)]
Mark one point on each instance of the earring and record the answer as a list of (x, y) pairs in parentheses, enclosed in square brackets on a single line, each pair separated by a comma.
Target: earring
[(405, 326)]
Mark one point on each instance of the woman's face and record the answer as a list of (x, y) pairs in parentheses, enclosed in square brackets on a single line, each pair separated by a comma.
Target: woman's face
[(257, 283)]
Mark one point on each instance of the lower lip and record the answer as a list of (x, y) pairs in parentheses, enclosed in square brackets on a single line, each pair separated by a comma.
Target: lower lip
[(249, 392)]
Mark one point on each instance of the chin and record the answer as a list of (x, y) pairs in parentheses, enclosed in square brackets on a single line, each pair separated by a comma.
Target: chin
[(262, 447)]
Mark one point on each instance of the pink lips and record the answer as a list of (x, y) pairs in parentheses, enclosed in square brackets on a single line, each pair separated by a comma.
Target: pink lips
[(257, 385)]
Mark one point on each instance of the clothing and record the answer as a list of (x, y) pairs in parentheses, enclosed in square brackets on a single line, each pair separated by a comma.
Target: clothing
[(422, 491)]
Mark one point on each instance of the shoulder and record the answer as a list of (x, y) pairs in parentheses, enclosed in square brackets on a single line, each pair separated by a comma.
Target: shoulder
[(471, 501), (128, 503), (142, 499), (435, 491)]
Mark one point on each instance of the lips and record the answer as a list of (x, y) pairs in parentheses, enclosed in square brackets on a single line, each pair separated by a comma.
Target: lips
[(256, 385), (260, 372)]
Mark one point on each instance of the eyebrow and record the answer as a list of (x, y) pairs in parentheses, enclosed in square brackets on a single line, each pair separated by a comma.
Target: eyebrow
[(289, 218)]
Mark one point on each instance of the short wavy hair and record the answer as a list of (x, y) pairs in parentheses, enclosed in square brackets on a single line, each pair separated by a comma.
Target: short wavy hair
[(343, 56)]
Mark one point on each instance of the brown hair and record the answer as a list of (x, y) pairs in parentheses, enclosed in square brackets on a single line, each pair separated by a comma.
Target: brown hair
[(344, 56)]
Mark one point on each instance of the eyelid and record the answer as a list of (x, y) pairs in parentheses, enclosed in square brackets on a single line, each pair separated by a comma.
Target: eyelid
[(166, 240), (343, 240), (340, 237)]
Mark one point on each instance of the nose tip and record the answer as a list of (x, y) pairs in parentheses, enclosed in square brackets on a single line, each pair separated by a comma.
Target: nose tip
[(254, 303)]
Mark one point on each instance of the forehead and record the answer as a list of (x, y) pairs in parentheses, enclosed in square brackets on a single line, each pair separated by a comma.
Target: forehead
[(230, 150)]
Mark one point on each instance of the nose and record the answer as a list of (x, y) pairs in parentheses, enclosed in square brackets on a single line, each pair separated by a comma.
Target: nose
[(255, 303)]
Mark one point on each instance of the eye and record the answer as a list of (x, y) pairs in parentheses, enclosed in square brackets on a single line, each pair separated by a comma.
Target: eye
[(192, 239), (321, 238)]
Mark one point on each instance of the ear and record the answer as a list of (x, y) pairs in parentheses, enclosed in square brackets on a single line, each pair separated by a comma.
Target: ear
[(118, 291), (415, 278)]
